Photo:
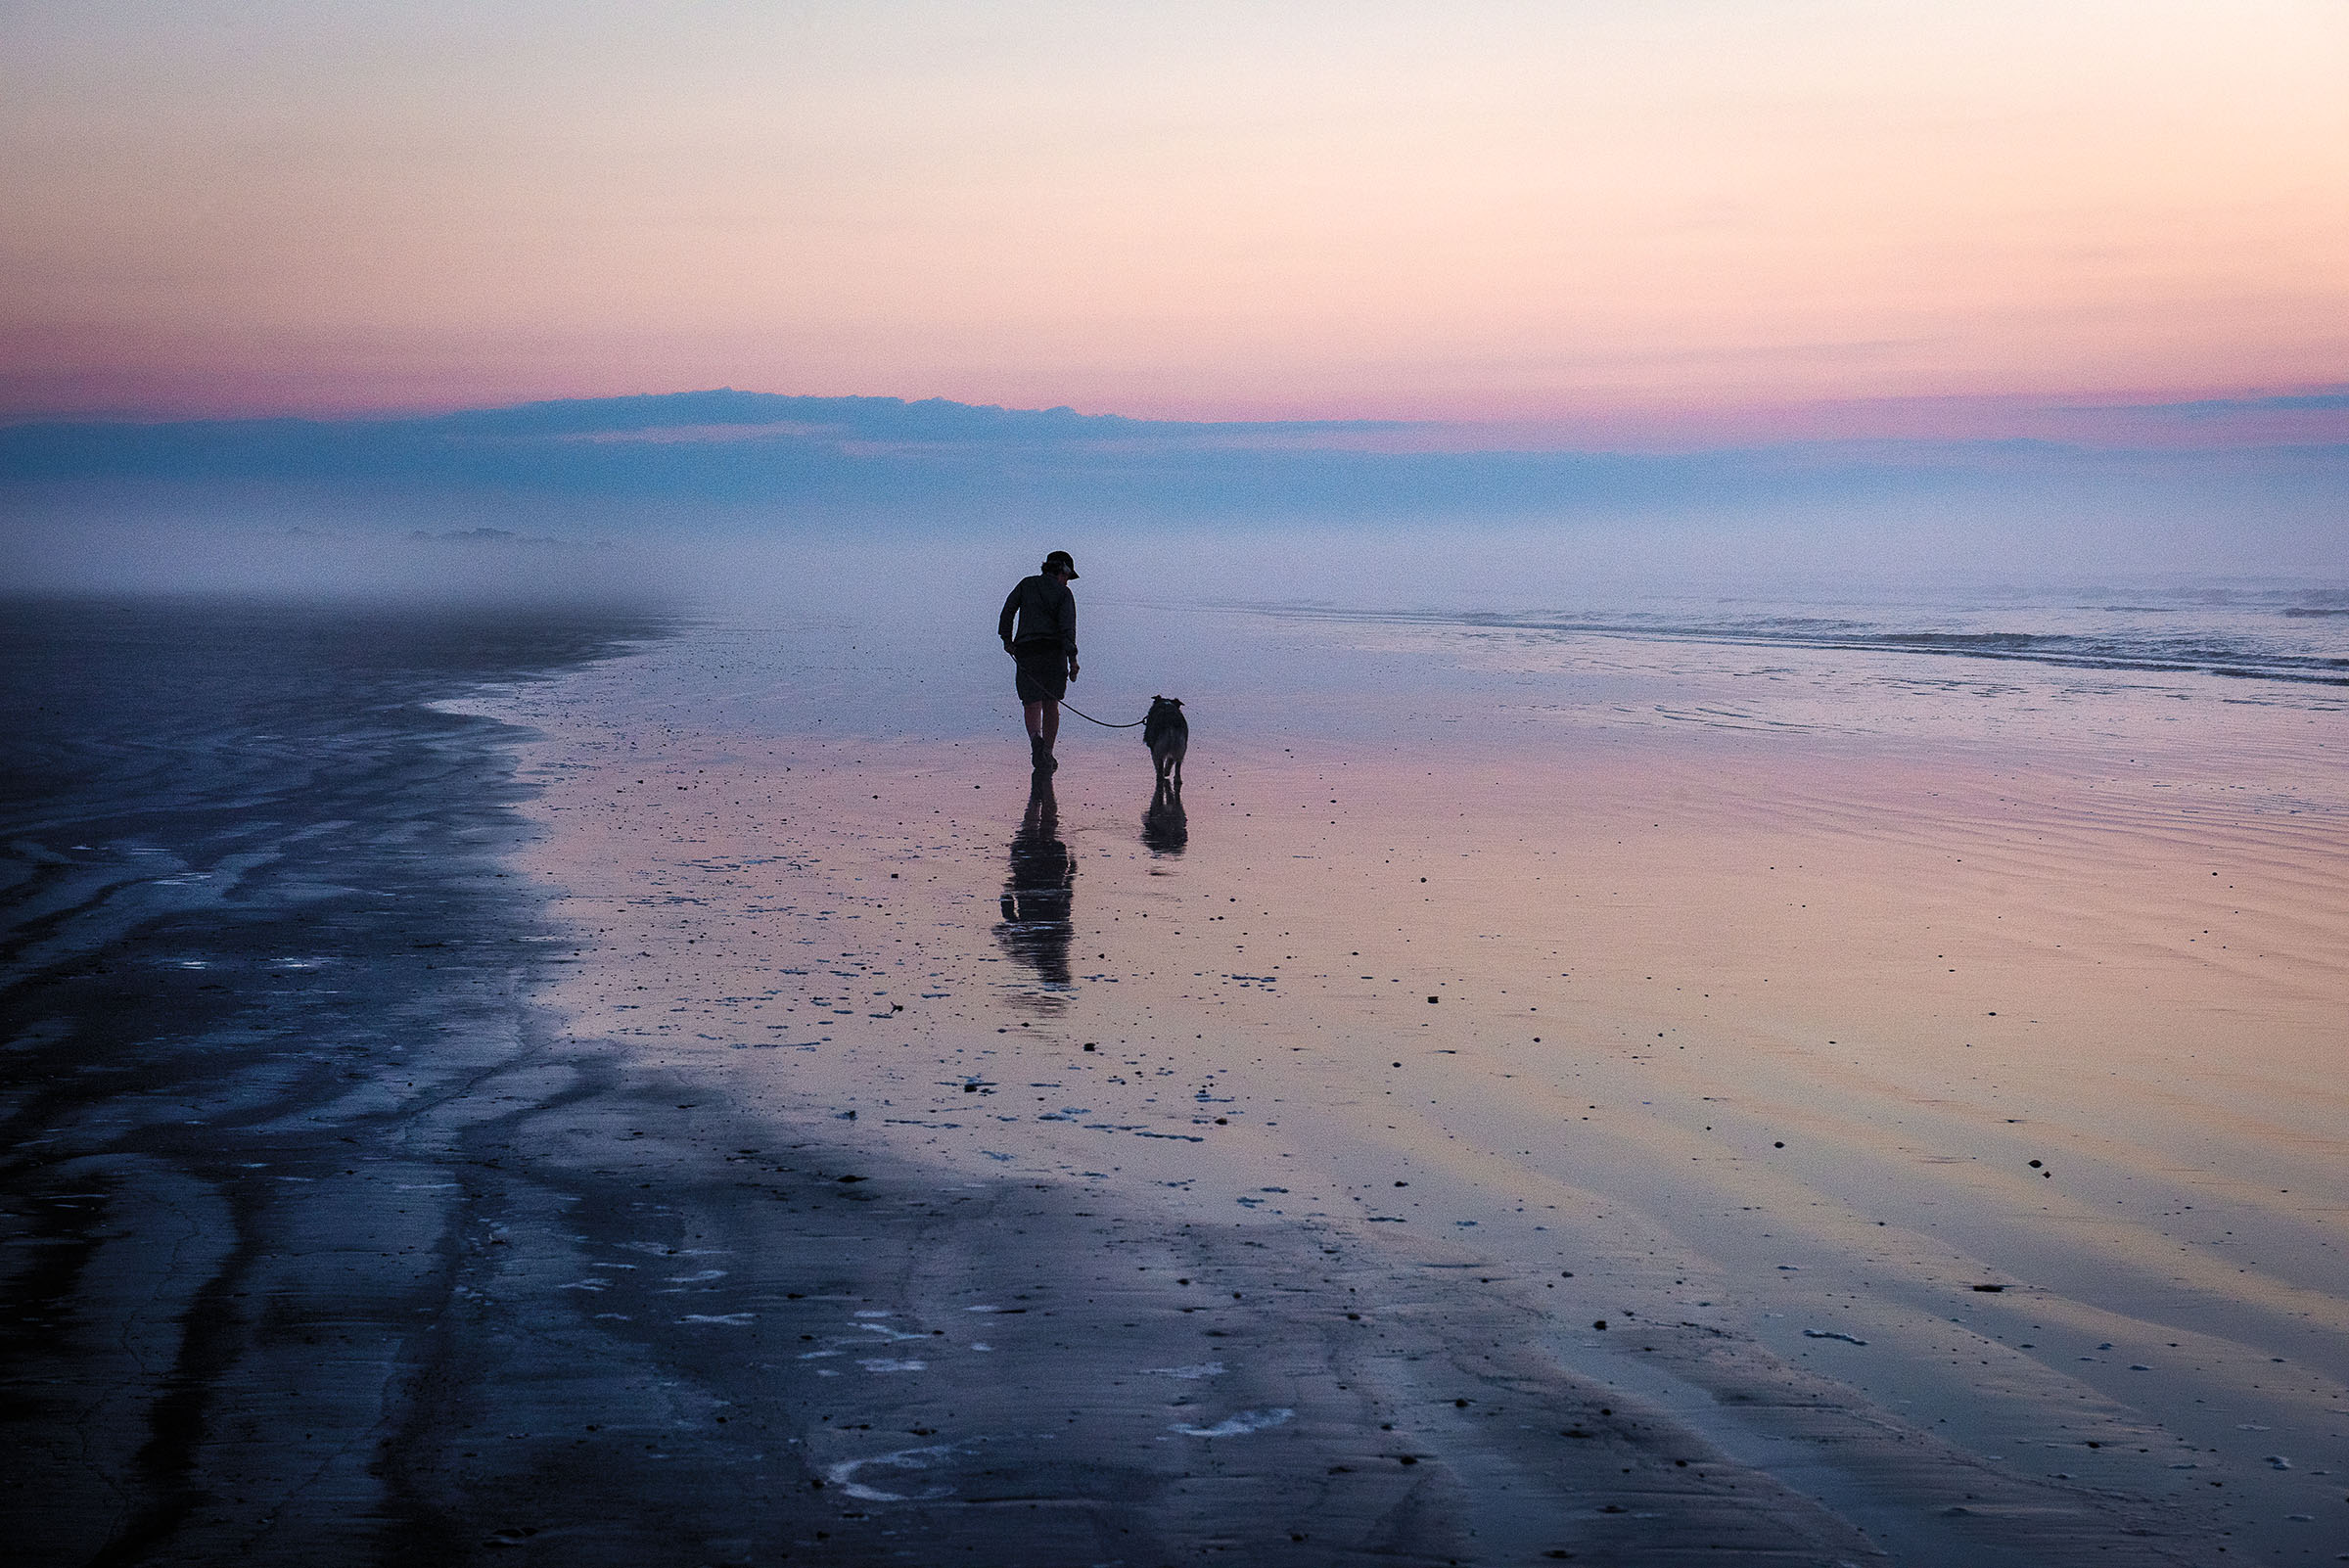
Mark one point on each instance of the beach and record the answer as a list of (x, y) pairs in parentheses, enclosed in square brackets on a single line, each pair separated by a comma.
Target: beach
[(1747, 964), (1548, 1091)]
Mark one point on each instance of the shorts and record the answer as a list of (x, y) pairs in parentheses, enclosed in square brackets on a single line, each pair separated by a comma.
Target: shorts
[(1043, 673)]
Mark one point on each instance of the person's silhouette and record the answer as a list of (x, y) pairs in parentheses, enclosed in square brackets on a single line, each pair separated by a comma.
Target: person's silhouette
[(1039, 629)]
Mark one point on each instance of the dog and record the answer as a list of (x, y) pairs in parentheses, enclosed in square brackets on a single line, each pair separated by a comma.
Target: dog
[(1167, 734)]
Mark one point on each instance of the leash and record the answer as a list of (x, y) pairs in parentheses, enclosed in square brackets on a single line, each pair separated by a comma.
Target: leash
[(1105, 724)]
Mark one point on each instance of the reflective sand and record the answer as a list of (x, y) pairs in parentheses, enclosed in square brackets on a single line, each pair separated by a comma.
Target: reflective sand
[(1923, 1066)]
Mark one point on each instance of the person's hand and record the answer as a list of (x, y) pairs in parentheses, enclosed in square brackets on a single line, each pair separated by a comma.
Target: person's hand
[(1007, 647), (1072, 670)]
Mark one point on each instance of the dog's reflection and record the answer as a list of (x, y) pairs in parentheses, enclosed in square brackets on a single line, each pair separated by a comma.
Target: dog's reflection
[(1164, 828), (1039, 896)]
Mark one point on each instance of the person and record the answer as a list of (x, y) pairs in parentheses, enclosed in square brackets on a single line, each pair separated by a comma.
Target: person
[(1039, 629)]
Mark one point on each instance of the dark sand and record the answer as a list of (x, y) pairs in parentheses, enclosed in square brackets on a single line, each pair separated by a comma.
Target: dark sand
[(365, 1207)]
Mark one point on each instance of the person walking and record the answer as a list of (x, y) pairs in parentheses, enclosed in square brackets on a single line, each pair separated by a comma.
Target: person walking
[(1039, 629)]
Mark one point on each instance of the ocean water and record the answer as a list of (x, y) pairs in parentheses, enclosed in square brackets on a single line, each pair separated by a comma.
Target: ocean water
[(2240, 686), (2277, 634)]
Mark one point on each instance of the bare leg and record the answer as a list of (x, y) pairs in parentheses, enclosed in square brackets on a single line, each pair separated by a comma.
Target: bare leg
[(1044, 728)]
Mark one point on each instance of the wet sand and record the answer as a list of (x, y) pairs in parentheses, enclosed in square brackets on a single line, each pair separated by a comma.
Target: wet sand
[(820, 1147), (1937, 1135)]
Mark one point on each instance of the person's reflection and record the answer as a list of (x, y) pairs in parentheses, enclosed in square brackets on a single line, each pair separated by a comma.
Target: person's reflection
[(1164, 828), (1039, 896)]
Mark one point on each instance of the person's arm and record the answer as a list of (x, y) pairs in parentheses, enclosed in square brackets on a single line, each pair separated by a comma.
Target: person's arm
[(1068, 628), (1012, 607)]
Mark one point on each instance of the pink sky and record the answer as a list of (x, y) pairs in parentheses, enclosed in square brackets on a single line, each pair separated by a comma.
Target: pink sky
[(1656, 222)]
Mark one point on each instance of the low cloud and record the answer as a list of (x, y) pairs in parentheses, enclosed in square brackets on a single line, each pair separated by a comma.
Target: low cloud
[(511, 490)]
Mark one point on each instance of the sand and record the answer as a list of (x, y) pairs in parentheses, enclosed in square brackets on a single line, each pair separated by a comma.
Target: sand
[(1771, 1050), (832, 1148)]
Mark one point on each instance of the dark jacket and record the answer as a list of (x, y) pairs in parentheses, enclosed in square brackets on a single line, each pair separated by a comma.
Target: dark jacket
[(1046, 612)]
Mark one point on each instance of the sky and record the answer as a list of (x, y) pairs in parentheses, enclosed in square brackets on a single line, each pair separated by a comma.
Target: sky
[(1631, 224)]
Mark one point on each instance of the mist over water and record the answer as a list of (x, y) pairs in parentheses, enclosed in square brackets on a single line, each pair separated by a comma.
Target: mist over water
[(1296, 627), (1352, 631), (268, 558)]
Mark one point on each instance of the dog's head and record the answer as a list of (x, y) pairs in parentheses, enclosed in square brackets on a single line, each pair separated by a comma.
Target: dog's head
[(1161, 707)]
